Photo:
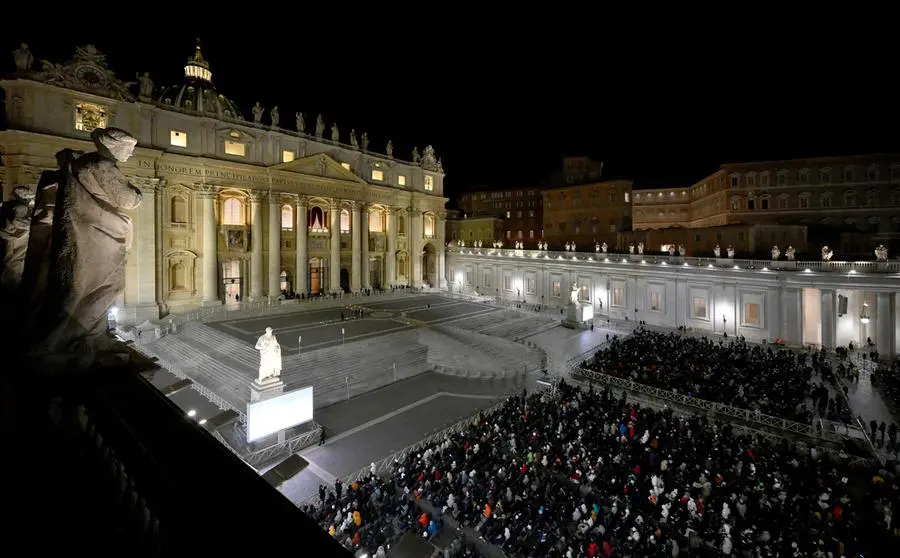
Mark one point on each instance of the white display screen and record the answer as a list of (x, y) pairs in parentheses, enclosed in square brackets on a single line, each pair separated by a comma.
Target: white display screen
[(271, 415), (587, 313)]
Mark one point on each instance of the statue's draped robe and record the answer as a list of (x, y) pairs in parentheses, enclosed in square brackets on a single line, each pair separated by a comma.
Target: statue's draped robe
[(269, 357), (91, 236), (13, 246), (37, 259)]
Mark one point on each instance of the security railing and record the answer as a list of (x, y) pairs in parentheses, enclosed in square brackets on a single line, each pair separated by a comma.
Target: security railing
[(659, 259), (827, 432)]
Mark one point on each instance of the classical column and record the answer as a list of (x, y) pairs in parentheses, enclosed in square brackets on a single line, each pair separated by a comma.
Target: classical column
[(144, 253), (829, 318), (440, 223), (302, 267), (334, 279), (415, 247), (364, 231), (356, 257), (210, 249), (256, 247), (274, 245), (884, 324), (390, 258)]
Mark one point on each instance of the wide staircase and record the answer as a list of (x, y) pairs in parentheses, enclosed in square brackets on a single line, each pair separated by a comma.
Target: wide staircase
[(502, 350)]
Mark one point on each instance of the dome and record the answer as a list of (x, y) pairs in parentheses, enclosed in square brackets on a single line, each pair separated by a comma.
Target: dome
[(197, 94)]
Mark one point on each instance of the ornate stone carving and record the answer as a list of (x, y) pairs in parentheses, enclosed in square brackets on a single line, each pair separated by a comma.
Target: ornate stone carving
[(320, 126), (275, 116), (416, 159), (389, 149), (302, 201), (23, 58), (87, 71), (257, 196), (429, 161), (91, 237), (145, 86), (776, 252), (301, 123), (257, 111), (15, 223)]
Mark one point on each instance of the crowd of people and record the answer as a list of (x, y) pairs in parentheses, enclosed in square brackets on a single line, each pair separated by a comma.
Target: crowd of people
[(772, 380)]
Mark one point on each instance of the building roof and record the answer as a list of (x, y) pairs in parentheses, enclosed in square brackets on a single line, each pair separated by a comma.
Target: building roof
[(197, 94)]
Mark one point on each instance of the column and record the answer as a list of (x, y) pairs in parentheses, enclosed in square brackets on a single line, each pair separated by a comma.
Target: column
[(274, 245), (884, 324), (829, 317), (301, 273), (440, 224), (334, 278), (256, 247), (210, 249), (390, 258), (144, 250), (415, 247), (356, 249), (364, 231)]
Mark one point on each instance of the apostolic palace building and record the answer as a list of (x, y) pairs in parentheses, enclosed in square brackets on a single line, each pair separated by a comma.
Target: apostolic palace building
[(232, 207)]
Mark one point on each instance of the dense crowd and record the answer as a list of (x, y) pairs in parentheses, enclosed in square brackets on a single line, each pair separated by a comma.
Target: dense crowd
[(772, 380)]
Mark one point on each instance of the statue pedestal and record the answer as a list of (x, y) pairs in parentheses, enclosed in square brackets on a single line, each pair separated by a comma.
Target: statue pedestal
[(268, 388), (577, 315)]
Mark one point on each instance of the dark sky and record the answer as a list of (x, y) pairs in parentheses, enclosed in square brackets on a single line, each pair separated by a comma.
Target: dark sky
[(662, 95)]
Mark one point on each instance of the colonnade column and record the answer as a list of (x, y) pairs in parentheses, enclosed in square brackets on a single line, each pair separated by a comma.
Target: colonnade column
[(356, 249), (334, 277), (364, 232), (440, 223), (210, 249), (301, 284), (415, 247), (256, 247), (390, 268), (274, 245), (829, 318), (884, 324)]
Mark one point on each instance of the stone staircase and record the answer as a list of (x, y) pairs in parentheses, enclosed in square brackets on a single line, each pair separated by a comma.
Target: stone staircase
[(506, 354)]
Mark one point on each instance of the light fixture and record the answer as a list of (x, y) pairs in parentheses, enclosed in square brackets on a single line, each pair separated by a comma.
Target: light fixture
[(864, 316), (192, 413), (202, 421)]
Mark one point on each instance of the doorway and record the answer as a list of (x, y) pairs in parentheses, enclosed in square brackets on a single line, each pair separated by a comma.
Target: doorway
[(345, 280), (316, 276), (231, 278), (429, 265)]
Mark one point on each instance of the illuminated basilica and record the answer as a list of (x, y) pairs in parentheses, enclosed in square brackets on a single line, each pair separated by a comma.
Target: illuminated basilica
[(233, 208)]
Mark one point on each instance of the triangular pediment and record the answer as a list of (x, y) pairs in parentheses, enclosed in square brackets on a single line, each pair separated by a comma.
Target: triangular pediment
[(321, 165)]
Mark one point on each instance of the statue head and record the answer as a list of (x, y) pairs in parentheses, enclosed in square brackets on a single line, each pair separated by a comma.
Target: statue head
[(268, 331), (114, 143)]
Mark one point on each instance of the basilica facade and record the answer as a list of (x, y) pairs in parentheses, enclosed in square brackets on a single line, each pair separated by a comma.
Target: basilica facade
[(233, 208)]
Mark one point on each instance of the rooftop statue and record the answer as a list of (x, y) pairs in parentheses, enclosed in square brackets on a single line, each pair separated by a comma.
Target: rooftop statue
[(320, 126), (365, 141), (335, 133), (145, 86), (275, 116), (353, 143), (91, 236), (881, 253), (415, 156), (15, 222), (301, 123), (258, 111), (23, 58), (389, 149)]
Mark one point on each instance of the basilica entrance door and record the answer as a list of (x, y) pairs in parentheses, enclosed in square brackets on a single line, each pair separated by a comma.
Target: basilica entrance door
[(231, 277)]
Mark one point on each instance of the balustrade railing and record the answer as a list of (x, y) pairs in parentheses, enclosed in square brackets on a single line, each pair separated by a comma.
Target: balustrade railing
[(662, 259)]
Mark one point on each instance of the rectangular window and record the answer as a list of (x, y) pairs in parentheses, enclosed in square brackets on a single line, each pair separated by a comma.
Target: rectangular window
[(764, 180), (627, 197), (468, 278), (848, 175), (429, 182), (826, 201), (507, 283), (751, 314), (531, 233), (346, 166), (735, 181), (555, 289), (765, 204), (782, 203), (654, 302), (696, 238), (487, 278), (235, 148), (401, 180), (699, 308), (782, 179), (529, 285), (508, 213), (377, 175), (751, 204), (178, 139), (508, 234), (618, 298), (804, 203), (287, 156), (89, 117)]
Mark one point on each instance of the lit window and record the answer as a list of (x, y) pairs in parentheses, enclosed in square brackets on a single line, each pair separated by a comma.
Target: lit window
[(555, 289), (346, 166), (376, 221), (507, 283), (751, 314), (782, 203), (377, 175), (508, 214), (287, 217), (529, 285), (235, 134), (401, 180), (627, 197), (531, 233), (618, 298), (345, 221), (235, 148), (429, 182), (287, 156), (654, 302), (734, 181), (804, 202), (428, 225), (89, 117), (178, 139), (699, 308), (232, 212), (508, 234)]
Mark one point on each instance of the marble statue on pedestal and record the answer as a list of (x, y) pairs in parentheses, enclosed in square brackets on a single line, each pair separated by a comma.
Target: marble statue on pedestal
[(23, 58), (717, 252), (776, 252), (881, 253), (91, 237), (335, 133), (568, 247), (15, 222), (681, 250), (257, 111), (730, 251), (269, 356), (671, 249), (604, 247), (789, 253), (389, 149), (320, 126), (573, 296), (573, 247), (640, 248), (597, 247), (827, 253), (631, 248), (364, 141), (275, 116), (353, 143), (301, 123)]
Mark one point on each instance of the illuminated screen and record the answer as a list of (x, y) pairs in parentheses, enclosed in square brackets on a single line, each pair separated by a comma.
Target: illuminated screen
[(271, 415), (587, 313)]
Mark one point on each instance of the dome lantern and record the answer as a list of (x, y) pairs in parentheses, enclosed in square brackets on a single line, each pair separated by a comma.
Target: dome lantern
[(197, 67)]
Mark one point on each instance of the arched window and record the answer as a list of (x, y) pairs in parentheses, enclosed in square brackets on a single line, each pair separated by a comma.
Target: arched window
[(345, 221), (428, 225), (232, 212), (287, 217), (316, 220), (177, 280), (376, 221), (179, 210)]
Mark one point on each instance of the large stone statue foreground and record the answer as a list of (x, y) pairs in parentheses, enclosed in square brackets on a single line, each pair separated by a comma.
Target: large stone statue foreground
[(90, 238)]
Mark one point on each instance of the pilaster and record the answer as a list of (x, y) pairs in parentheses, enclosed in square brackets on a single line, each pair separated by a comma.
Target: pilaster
[(256, 246), (274, 245), (210, 246), (334, 283), (146, 236), (364, 232), (356, 249), (301, 278), (884, 323), (415, 247), (390, 267), (829, 317)]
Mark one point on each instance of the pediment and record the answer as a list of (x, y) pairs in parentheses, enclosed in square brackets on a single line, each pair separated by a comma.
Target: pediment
[(321, 165)]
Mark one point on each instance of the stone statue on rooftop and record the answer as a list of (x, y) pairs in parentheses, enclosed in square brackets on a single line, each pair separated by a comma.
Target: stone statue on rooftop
[(301, 123), (789, 253), (731, 251), (275, 116), (335, 133), (827, 253), (717, 252), (145, 86), (640, 248), (269, 356), (604, 247), (881, 253), (23, 58), (631, 248), (681, 250), (320, 126), (364, 141), (353, 143), (776, 252), (416, 158), (15, 223), (257, 111), (389, 149)]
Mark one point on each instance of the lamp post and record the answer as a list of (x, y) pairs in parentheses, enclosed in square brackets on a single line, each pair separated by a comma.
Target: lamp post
[(299, 343), (342, 336)]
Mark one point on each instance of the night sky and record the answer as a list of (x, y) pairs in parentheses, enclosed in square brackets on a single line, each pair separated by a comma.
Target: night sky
[(663, 97)]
